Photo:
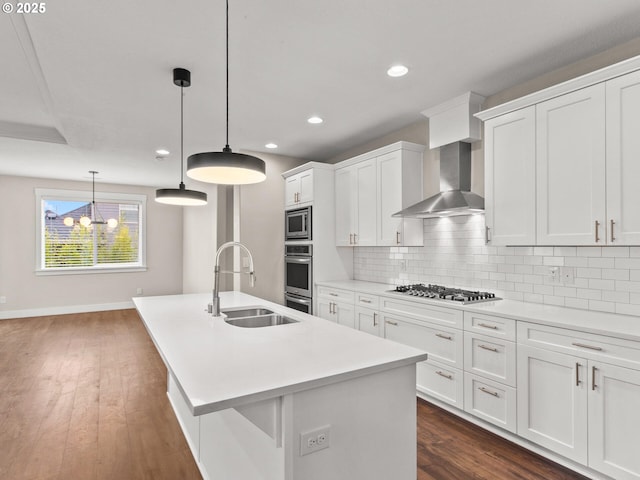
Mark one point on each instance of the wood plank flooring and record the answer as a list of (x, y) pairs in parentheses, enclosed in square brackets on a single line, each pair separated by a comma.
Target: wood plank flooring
[(83, 397)]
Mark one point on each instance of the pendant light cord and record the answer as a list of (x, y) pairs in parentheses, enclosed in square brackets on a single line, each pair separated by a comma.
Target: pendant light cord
[(181, 133), (227, 35)]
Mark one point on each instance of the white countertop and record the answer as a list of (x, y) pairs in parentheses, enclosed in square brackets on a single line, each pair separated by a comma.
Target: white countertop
[(219, 366), (600, 323)]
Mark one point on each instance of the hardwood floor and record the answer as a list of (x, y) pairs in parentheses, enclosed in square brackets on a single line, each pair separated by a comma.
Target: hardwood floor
[(83, 397)]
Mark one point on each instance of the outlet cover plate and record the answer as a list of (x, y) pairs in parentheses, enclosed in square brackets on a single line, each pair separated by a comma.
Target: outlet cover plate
[(314, 440)]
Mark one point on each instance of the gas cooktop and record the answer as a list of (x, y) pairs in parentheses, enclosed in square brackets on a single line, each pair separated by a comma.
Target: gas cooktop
[(439, 292)]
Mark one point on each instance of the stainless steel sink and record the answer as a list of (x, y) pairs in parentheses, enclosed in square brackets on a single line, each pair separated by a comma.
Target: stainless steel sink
[(260, 321), (246, 312)]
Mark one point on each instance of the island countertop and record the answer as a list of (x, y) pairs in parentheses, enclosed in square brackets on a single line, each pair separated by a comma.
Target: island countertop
[(218, 365)]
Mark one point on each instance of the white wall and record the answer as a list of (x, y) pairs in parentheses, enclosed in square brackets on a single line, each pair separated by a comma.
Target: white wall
[(262, 228), (27, 293)]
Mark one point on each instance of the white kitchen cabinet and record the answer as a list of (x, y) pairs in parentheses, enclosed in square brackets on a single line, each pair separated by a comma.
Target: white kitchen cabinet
[(614, 420), (336, 305), (368, 320), (552, 401), (492, 358), (299, 188), (491, 401), (570, 161), (356, 204), (399, 176), (623, 165), (510, 180)]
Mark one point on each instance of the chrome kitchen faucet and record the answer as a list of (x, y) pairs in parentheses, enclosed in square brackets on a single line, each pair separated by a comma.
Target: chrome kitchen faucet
[(214, 306)]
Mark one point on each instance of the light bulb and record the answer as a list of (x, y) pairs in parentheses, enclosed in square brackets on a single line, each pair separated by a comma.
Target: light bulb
[(85, 221), (112, 223), (68, 221)]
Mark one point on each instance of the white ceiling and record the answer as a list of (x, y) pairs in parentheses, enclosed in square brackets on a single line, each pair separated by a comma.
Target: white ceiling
[(99, 73)]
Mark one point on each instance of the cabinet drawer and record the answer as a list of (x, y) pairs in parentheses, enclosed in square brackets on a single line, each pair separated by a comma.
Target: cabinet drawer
[(625, 353), (490, 401), (336, 294), (444, 383), (490, 325), (450, 317), (490, 357), (443, 344), (367, 301)]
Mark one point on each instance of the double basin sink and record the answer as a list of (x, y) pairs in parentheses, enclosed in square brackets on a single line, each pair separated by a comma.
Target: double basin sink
[(255, 317)]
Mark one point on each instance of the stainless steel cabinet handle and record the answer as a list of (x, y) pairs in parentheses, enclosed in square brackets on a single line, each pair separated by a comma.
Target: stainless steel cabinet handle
[(445, 375), (398, 238), (593, 378), (578, 374), (590, 347), (364, 300), (355, 238), (486, 390), (613, 237), (446, 337), (486, 234), (491, 349), (333, 294), (597, 229), (484, 325), (389, 322), (375, 319)]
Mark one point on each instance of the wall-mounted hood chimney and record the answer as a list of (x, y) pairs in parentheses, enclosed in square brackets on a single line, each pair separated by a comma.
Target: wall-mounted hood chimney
[(451, 124)]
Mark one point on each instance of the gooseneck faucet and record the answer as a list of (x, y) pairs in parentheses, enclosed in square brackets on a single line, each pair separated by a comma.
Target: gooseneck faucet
[(214, 306)]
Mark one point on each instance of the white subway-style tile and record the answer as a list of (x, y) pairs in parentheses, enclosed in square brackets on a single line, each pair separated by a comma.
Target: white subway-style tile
[(589, 294), (602, 306), (613, 296), (631, 263), (543, 289), (623, 286), (602, 284), (533, 297), (615, 251), (576, 303), (628, 309), (533, 260), (576, 261), (553, 300), (588, 272), (600, 262), (553, 261), (564, 291), (618, 274), (564, 251), (543, 251)]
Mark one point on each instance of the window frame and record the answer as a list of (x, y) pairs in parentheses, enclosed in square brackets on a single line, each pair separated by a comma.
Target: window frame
[(43, 194)]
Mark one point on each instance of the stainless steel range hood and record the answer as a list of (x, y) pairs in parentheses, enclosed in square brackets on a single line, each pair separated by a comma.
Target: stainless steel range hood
[(455, 197)]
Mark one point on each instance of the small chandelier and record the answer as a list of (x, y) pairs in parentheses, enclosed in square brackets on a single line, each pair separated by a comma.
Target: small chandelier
[(181, 196), (226, 167), (86, 221)]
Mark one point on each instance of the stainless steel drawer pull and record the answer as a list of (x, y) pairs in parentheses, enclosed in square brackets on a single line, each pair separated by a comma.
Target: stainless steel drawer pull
[(485, 390), (597, 231), (445, 375), (590, 347), (375, 319), (392, 323), (333, 294), (486, 234), (613, 237), (364, 300), (446, 337), (398, 238), (484, 325), (593, 378), (578, 374), (491, 349)]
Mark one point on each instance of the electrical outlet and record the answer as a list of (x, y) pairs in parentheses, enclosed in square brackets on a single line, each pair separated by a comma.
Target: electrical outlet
[(568, 275), (139, 291), (3, 299), (554, 275), (315, 440)]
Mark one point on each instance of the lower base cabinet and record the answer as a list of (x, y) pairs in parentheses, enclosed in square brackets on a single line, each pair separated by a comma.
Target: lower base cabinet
[(444, 383), (490, 401)]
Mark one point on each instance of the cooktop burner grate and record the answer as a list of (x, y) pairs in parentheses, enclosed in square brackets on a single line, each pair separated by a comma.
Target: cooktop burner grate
[(441, 292)]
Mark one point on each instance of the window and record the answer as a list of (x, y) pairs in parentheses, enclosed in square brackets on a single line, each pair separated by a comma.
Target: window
[(78, 236)]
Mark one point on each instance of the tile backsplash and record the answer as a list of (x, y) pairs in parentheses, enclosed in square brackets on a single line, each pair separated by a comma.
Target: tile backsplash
[(454, 253)]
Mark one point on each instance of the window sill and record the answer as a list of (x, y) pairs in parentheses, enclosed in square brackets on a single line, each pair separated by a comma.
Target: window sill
[(90, 270)]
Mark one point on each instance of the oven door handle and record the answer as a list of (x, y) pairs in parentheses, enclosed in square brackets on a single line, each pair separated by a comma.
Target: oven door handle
[(297, 300), (297, 259)]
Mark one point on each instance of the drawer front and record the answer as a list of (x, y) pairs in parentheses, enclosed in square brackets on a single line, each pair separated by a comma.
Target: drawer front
[(336, 294), (490, 325), (444, 383), (443, 344), (450, 317), (492, 358), (618, 351), (367, 301), (490, 401)]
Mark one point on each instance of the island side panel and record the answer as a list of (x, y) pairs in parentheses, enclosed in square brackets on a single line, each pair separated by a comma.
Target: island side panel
[(372, 428)]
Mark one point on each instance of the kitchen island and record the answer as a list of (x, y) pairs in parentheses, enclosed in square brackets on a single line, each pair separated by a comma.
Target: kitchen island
[(304, 400)]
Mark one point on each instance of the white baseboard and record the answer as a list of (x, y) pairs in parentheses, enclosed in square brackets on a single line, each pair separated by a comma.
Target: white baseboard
[(39, 312)]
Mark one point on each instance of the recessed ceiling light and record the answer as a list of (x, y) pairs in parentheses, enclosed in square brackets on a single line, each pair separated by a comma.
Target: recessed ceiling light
[(397, 71), (315, 120), (162, 151), (271, 145)]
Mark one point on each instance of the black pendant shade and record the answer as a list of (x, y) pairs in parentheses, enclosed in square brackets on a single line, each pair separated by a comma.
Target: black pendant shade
[(226, 167), (181, 196)]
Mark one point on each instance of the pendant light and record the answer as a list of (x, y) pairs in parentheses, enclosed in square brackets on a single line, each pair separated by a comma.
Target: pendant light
[(226, 167), (181, 196), (86, 221)]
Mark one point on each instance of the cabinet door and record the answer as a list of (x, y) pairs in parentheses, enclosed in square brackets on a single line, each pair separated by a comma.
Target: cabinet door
[(368, 320), (305, 187), (570, 162), (510, 178), (345, 314), (366, 209), (345, 206), (389, 199), (291, 188), (623, 160), (552, 401), (614, 416), (325, 310)]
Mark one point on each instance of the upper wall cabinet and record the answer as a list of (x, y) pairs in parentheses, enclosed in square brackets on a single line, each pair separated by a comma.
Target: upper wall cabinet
[(298, 189), (510, 184), (372, 187), (583, 137)]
